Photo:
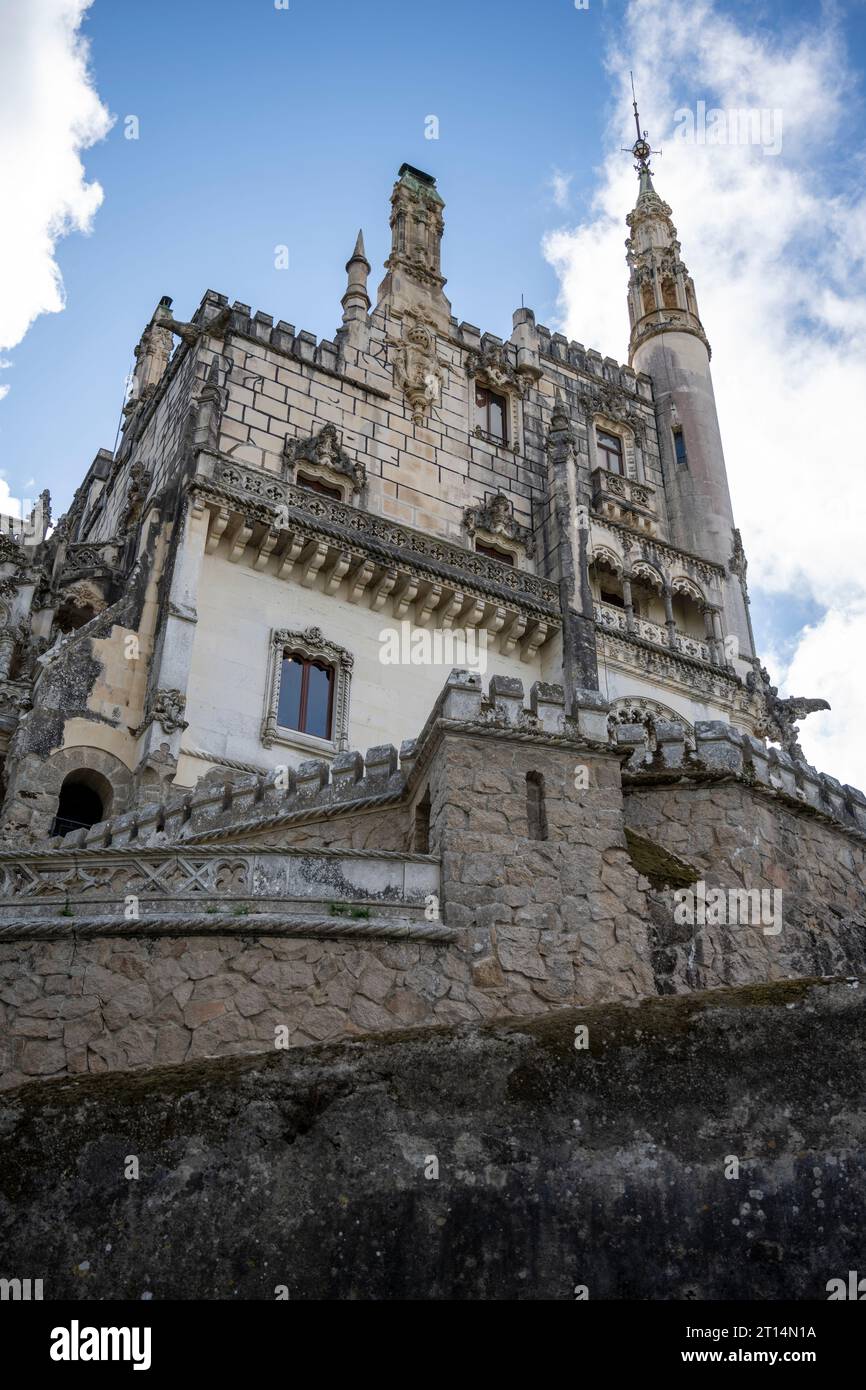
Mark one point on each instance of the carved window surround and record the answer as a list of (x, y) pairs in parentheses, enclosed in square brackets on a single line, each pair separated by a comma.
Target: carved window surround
[(492, 523), (313, 644), (624, 500), (322, 457), (492, 369)]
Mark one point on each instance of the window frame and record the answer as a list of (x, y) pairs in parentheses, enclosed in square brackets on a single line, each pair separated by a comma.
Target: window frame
[(604, 452), (310, 646), (307, 664), (482, 420)]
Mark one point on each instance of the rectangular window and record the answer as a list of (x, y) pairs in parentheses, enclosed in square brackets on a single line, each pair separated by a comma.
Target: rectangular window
[(609, 451), (494, 553), (680, 448), (306, 695), (316, 485), (492, 413)]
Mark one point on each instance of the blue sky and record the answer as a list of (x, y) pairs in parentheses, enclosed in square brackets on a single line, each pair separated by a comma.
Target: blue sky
[(261, 126)]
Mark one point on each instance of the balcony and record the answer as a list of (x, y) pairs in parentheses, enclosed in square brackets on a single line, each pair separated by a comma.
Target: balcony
[(624, 500), (613, 619)]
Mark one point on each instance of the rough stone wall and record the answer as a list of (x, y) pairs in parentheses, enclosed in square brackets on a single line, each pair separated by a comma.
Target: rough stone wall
[(309, 1174), (118, 1002), (736, 836), (560, 919)]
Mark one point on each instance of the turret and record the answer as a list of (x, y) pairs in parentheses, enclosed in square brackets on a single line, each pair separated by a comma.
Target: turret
[(414, 281), (356, 301), (669, 343)]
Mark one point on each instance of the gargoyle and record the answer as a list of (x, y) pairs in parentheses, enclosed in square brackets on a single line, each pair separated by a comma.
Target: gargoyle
[(781, 714), (191, 332)]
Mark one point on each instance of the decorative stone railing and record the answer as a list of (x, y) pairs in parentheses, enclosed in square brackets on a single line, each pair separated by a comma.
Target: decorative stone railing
[(86, 556), (183, 879), (615, 620), (624, 500)]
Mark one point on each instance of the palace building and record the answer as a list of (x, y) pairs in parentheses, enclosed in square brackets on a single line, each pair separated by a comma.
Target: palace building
[(216, 769)]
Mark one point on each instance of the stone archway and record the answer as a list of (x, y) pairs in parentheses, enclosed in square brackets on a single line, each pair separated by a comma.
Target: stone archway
[(92, 770)]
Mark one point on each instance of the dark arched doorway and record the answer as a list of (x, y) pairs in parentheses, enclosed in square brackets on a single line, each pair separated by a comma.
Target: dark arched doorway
[(85, 799)]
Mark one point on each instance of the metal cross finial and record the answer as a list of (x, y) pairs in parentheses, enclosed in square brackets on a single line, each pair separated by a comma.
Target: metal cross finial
[(641, 148)]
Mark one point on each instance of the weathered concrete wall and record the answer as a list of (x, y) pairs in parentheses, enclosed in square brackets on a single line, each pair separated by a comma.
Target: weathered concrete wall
[(557, 1167), (735, 836)]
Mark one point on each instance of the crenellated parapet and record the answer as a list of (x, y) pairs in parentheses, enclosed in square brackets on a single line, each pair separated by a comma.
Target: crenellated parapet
[(722, 751)]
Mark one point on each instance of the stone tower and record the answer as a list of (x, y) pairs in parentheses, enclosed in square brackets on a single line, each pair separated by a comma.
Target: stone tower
[(414, 281), (669, 344)]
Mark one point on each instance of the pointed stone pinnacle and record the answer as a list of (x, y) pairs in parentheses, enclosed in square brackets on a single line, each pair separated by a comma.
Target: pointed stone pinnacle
[(359, 254)]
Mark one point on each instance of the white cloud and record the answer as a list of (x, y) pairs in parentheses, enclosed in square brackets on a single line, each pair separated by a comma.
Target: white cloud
[(779, 261), (49, 113), (559, 185)]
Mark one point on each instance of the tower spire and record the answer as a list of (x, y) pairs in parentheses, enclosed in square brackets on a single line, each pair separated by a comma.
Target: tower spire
[(641, 150), (356, 301)]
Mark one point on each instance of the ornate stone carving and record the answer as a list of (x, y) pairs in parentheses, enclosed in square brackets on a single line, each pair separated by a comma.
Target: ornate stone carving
[(139, 482), (492, 368), (640, 710), (166, 708), (779, 716), (418, 370), (495, 519), (325, 454)]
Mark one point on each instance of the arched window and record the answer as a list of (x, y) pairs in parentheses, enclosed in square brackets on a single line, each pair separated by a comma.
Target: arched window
[(84, 800), (648, 297), (306, 699), (669, 294)]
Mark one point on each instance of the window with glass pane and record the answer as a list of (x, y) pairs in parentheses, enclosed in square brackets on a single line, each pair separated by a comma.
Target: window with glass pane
[(492, 413), (306, 695), (609, 451)]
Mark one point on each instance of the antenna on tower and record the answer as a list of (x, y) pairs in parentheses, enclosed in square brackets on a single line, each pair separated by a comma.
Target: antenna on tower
[(641, 148)]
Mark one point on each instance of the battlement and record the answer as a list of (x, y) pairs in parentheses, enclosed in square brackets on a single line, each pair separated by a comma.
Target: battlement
[(723, 750), (302, 344), (555, 347)]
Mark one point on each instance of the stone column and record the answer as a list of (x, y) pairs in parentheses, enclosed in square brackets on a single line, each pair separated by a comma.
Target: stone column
[(669, 617), (167, 690), (629, 608)]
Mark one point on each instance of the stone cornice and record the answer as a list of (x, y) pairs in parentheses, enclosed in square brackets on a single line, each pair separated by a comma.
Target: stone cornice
[(279, 504)]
